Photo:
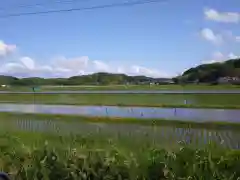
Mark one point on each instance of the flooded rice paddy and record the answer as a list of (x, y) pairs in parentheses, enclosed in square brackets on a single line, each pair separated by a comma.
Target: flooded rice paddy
[(186, 114), (158, 134)]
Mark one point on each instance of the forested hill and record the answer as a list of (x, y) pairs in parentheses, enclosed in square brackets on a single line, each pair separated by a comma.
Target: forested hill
[(212, 72), (92, 79)]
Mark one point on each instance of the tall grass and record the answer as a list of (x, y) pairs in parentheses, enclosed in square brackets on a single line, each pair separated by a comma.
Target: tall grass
[(76, 157)]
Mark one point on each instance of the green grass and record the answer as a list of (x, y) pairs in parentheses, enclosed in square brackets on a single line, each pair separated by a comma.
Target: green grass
[(144, 87), (151, 100), (101, 131), (28, 156), (165, 132), (129, 87), (211, 124)]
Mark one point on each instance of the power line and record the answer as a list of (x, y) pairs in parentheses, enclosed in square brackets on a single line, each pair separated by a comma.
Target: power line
[(84, 8), (41, 4)]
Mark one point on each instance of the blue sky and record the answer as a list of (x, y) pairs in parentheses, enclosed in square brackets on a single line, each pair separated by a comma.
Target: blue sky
[(159, 39)]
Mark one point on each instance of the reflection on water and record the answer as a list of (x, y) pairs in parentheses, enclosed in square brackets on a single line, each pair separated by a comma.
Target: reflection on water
[(187, 114), (159, 134)]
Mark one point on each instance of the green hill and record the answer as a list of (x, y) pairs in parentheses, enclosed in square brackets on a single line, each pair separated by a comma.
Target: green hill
[(92, 79), (207, 73), (7, 79)]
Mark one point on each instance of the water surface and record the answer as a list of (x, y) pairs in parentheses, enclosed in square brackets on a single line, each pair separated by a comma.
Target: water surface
[(187, 114)]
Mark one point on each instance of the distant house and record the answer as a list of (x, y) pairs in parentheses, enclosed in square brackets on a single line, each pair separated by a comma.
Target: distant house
[(3, 85), (228, 80), (156, 81), (164, 81)]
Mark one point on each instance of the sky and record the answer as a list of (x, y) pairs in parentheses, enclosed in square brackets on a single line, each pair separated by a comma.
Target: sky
[(160, 39)]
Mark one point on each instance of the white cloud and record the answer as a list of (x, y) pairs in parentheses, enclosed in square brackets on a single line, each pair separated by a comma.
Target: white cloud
[(101, 66), (237, 38), (64, 67), (120, 70), (209, 61), (139, 70), (225, 17), (233, 56), (142, 70), (220, 57), (209, 35), (61, 66), (28, 62), (217, 55), (11, 67), (46, 68), (74, 64), (6, 49)]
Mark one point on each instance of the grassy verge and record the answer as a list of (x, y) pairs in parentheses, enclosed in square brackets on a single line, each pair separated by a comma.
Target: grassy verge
[(147, 122), (39, 156), (225, 101), (147, 87), (129, 87)]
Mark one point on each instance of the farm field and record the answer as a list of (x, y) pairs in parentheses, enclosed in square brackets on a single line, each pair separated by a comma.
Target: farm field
[(150, 100), (27, 117), (35, 146), (123, 87), (38, 146), (96, 150), (119, 90), (165, 132), (144, 87)]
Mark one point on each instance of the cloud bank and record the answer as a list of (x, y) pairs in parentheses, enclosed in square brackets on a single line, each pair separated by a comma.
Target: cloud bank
[(217, 56), (25, 66)]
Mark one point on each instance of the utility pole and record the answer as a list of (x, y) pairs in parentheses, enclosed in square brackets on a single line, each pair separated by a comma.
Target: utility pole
[(33, 89)]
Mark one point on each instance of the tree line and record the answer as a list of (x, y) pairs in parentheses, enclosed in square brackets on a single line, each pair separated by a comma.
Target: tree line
[(205, 73), (92, 79)]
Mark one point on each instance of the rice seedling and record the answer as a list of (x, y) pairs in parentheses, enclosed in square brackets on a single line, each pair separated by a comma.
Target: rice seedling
[(37, 156), (168, 135)]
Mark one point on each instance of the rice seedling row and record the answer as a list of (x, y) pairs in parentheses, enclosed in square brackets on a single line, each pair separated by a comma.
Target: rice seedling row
[(228, 138)]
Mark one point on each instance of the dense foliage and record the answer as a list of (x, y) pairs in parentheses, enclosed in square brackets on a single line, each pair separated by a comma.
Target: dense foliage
[(211, 72), (92, 79), (46, 162)]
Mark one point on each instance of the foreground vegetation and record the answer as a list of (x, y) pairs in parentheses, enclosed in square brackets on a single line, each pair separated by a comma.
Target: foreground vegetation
[(112, 152), (149, 100), (37, 156)]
